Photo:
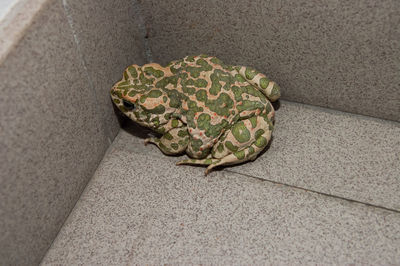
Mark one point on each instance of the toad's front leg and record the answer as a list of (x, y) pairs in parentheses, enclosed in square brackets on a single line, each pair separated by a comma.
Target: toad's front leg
[(172, 142)]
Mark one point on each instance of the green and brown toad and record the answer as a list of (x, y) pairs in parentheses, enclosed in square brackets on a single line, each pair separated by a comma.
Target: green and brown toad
[(218, 114)]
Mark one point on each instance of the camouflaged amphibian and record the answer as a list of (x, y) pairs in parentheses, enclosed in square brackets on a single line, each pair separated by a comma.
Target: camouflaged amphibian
[(218, 114)]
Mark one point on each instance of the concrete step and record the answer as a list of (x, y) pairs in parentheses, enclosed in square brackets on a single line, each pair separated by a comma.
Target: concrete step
[(326, 191)]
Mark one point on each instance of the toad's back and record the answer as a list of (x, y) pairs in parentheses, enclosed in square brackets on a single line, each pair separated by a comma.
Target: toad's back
[(216, 96)]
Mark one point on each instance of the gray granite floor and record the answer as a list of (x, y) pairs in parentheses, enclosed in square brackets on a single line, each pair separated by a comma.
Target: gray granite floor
[(325, 192)]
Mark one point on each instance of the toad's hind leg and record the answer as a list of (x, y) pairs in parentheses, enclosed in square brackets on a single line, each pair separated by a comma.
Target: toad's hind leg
[(246, 154), (207, 161), (269, 88), (243, 142)]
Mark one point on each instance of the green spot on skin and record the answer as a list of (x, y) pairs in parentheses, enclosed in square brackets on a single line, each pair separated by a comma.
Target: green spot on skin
[(240, 155), (193, 108), (216, 61), (230, 146), (196, 144), (194, 71), (159, 109), (261, 142), (173, 80), (140, 87), (154, 94), (117, 101), (201, 95), (164, 148), (116, 92), (214, 130), (168, 136), (153, 72), (208, 161), (133, 72), (264, 83), (254, 92), (259, 133), (158, 74), (156, 121), (145, 80), (123, 109), (270, 125), (190, 58), (228, 67), (174, 146), (126, 75), (220, 148), (203, 121), (173, 70), (187, 82), (240, 132), (165, 99), (250, 105), (183, 76), (251, 150), (222, 105), (162, 83), (268, 107), (205, 66), (201, 83), (160, 130), (174, 123), (124, 83), (239, 78), (250, 73), (201, 62), (223, 137), (167, 116), (132, 93), (174, 98), (192, 104), (182, 133), (237, 91), (143, 98), (183, 142), (215, 87), (253, 121), (189, 90), (275, 92)]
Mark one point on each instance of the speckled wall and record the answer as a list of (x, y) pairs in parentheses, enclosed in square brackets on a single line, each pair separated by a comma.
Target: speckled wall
[(57, 118), (339, 54)]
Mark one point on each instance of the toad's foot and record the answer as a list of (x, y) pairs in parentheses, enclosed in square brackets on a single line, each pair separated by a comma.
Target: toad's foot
[(151, 140), (208, 161)]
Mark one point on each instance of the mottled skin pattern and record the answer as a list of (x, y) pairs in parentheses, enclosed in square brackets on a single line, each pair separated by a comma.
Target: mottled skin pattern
[(218, 114)]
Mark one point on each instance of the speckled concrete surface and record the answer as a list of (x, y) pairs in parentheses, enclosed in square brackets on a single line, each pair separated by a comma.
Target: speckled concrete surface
[(337, 153), (51, 136), (14, 22), (141, 209), (109, 40), (332, 152), (338, 54)]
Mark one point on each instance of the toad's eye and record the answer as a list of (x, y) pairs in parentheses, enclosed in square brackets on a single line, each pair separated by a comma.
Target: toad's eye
[(128, 105)]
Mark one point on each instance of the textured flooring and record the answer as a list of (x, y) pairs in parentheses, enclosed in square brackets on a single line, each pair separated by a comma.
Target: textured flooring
[(325, 192)]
